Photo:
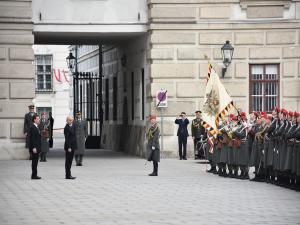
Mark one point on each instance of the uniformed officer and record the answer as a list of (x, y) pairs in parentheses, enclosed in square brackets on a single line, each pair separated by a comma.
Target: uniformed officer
[(153, 148), (271, 135), (239, 133), (28, 122), (296, 153), (290, 142), (198, 132), (81, 134), (280, 146), (44, 129), (257, 154)]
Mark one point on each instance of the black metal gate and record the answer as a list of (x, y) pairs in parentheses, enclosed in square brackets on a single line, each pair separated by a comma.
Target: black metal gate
[(88, 100)]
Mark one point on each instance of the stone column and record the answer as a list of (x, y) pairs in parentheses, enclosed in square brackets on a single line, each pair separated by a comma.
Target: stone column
[(16, 75)]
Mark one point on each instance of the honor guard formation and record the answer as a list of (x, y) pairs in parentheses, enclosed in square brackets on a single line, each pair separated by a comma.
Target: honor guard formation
[(268, 142)]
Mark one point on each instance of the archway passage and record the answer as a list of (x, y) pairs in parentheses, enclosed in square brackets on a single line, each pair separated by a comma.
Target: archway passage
[(108, 85)]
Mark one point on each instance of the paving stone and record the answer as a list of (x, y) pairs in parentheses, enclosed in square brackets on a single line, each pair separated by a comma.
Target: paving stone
[(112, 188)]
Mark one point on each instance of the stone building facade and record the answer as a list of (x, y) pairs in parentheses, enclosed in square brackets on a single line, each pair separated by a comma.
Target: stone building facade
[(17, 88), (183, 32), (172, 41)]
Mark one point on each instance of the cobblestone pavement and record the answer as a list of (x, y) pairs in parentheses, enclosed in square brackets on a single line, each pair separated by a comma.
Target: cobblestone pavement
[(112, 188)]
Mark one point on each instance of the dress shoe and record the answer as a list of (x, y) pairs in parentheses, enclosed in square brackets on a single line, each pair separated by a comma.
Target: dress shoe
[(184, 158), (36, 178), (79, 164), (152, 174), (70, 178)]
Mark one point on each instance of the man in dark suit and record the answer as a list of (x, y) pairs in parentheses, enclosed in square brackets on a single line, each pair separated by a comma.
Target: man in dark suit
[(35, 145), (51, 120), (182, 134), (70, 146), (28, 121)]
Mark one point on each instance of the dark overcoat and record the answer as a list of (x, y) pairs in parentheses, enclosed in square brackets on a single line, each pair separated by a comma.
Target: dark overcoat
[(70, 137), (28, 122)]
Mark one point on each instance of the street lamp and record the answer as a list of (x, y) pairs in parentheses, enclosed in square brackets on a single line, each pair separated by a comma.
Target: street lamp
[(227, 53), (72, 65), (71, 62)]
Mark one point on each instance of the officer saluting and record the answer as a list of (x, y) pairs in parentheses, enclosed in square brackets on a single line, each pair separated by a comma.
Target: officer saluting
[(28, 122), (198, 131), (182, 134)]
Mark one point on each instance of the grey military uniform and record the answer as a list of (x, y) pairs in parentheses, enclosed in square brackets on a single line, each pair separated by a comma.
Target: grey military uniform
[(153, 147), (81, 134), (44, 124)]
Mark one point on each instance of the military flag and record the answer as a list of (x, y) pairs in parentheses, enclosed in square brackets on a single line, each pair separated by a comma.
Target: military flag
[(217, 102)]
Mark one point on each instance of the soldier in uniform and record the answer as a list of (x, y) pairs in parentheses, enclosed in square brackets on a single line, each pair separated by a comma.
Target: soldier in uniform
[(44, 126), (209, 154), (290, 142), (28, 122), (81, 134), (224, 139), (270, 135), (257, 154), (153, 148), (198, 132), (280, 146), (232, 150), (296, 153)]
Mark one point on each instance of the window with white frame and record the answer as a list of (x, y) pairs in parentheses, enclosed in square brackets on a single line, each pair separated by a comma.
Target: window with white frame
[(43, 72), (264, 87)]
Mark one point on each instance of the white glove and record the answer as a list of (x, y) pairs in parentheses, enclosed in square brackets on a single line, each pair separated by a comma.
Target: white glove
[(34, 150), (153, 148), (69, 149)]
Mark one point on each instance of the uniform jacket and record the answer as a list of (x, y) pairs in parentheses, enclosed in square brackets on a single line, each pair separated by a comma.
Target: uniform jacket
[(28, 122), (197, 129), (70, 137), (34, 138), (44, 124), (153, 141), (81, 134), (182, 129)]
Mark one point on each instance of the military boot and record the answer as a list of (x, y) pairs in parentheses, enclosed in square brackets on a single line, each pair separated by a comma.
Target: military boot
[(77, 160)]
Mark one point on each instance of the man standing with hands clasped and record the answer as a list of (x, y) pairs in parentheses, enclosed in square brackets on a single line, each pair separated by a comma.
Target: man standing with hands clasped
[(182, 134), (35, 145)]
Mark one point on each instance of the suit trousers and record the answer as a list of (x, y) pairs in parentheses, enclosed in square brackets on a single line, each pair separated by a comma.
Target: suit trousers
[(68, 162), (34, 164), (182, 141)]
